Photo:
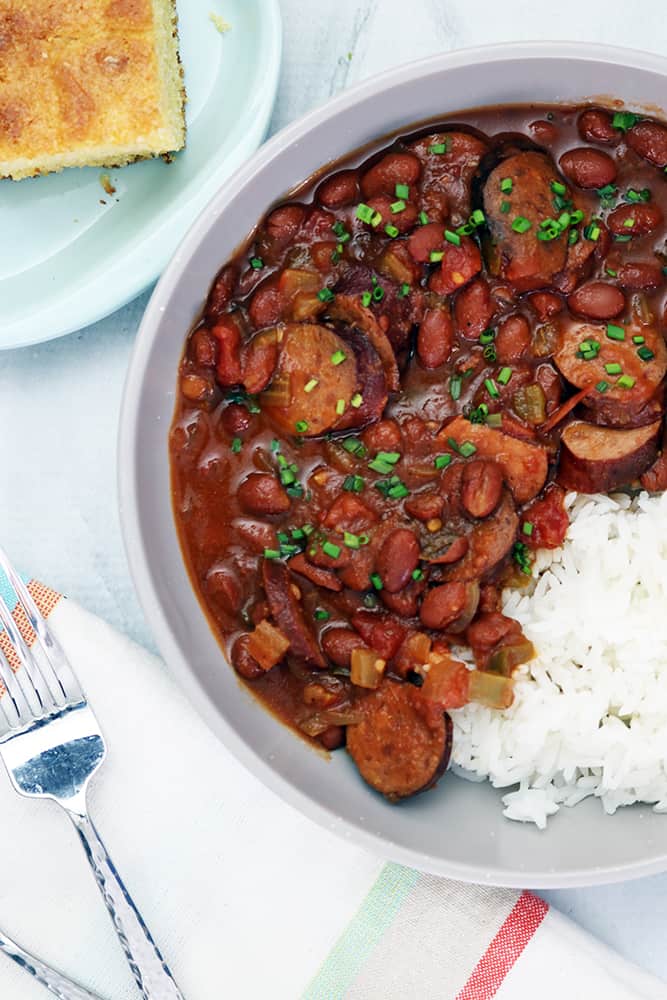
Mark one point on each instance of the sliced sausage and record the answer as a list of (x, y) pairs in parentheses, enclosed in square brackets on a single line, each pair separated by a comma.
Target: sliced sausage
[(308, 353), (450, 606), (318, 575), (482, 487), (348, 309), (397, 559), (598, 459), (524, 464), (288, 613), (401, 746), (489, 544), (649, 139), (597, 300), (588, 168), (370, 398), (519, 256)]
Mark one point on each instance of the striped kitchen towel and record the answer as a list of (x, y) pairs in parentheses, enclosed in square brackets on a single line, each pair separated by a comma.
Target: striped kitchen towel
[(247, 898)]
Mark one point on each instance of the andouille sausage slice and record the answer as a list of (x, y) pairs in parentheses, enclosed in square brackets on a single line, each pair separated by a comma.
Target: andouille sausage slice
[(516, 254), (310, 353), (402, 744), (489, 543), (524, 465), (288, 613), (370, 397), (600, 459), (348, 309), (644, 363)]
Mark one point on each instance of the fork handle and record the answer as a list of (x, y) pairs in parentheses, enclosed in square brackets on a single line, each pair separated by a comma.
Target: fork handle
[(147, 964), (55, 982)]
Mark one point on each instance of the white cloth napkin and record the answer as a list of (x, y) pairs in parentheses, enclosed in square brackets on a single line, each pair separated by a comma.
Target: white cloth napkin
[(246, 898)]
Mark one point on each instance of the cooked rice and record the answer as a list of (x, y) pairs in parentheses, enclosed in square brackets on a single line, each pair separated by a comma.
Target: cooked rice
[(590, 712)]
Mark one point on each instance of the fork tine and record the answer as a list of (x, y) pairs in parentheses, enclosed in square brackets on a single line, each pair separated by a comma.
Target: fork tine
[(64, 684), (30, 679), (20, 711)]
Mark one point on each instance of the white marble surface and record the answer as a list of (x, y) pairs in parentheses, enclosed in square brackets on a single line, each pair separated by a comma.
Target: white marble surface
[(59, 403)]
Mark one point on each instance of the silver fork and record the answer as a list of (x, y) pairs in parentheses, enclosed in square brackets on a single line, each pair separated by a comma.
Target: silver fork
[(61, 987), (51, 745)]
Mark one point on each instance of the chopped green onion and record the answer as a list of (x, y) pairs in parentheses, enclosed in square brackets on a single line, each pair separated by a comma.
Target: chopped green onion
[(417, 574), (356, 400), (592, 232), (301, 426), (271, 554), (338, 357), (487, 336), (611, 272), (340, 407), (452, 237), (389, 456), (521, 557), (607, 193), (376, 580), (495, 420), (436, 256), (378, 293), (350, 540), (366, 299), (626, 382), (275, 445), (236, 445), (330, 549), (489, 353), (455, 383), (527, 528), (602, 386), (506, 185), (364, 212), (638, 339), (504, 375), (310, 385), (613, 368), (321, 615), (355, 447), (325, 295), (391, 231), (558, 188), (505, 207), (572, 237), (439, 147), (576, 217), (377, 465), (645, 353), (353, 484), (491, 388), (404, 290), (256, 263), (621, 239), (398, 206), (402, 191), (521, 224), (634, 196), (340, 231), (628, 223), (479, 415), (478, 218), (467, 449), (398, 491), (615, 332), (624, 120), (442, 461), (423, 218)]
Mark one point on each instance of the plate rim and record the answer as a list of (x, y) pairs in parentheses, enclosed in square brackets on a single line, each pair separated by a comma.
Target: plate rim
[(148, 259), (133, 537)]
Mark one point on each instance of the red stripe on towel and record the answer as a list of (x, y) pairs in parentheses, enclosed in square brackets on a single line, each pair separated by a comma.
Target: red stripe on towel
[(488, 975)]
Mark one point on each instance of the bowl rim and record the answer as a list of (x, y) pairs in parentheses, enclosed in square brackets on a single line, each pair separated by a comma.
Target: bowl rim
[(133, 539)]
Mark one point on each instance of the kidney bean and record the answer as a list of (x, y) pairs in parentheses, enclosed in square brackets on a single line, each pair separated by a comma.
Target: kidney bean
[(261, 493), (284, 223), (455, 551), (548, 378), (424, 240), (435, 337), (339, 190), (473, 309), (242, 661), (424, 506), (349, 513), (512, 338), (260, 358), (332, 738), (224, 588), (459, 266), (597, 300), (392, 169), (450, 606), (545, 304), (204, 348), (235, 419), (406, 602), (635, 220), (397, 559), (357, 574), (435, 203), (339, 643), (317, 225), (595, 126), (649, 139), (266, 306), (482, 487), (640, 274), (403, 221), (257, 534), (383, 436), (379, 631), (588, 168), (221, 293), (196, 388), (544, 131), (488, 630), (228, 336)]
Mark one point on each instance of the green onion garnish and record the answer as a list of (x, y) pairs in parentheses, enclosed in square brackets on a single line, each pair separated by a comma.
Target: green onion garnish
[(628, 223), (310, 385), (271, 554), (487, 336), (442, 461), (491, 388), (504, 375), (325, 295), (364, 212), (645, 353), (615, 332), (376, 580), (626, 382), (624, 120), (366, 299), (439, 148), (423, 218), (398, 206), (355, 447), (350, 540), (402, 191), (301, 426), (527, 528), (505, 207), (404, 290), (236, 445), (592, 232), (340, 407), (356, 400), (602, 386), (330, 549), (455, 383), (452, 237), (506, 185), (391, 231), (467, 449), (558, 188), (638, 339), (256, 263), (521, 224), (338, 357), (613, 368), (417, 574), (321, 615), (634, 196), (353, 484), (436, 256)]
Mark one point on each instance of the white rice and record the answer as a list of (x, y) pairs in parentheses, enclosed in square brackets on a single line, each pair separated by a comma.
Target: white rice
[(590, 711)]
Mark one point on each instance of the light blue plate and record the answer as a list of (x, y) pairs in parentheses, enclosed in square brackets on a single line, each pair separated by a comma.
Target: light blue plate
[(70, 253)]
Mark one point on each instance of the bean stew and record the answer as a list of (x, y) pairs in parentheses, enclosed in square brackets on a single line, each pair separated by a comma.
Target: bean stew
[(391, 388)]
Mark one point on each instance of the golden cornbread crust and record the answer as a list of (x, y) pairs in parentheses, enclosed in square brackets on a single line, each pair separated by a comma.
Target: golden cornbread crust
[(88, 83)]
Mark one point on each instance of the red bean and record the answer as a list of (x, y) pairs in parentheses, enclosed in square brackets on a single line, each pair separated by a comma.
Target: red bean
[(196, 388), (473, 309), (397, 559), (339, 643), (512, 338), (548, 378), (224, 588), (204, 348), (456, 550), (423, 241), (459, 266), (266, 306), (482, 487), (392, 169), (260, 358), (649, 139), (640, 274), (588, 168), (261, 493), (406, 602), (435, 337), (245, 664), (228, 336), (221, 293), (595, 126), (449, 604), (544, 131), (597, 300), (383, 436), (235, 419), (403, 221), (284, 222), (332, 738), (339, 190), (424, 506), (635, 220), (545, 304), (381, 632)]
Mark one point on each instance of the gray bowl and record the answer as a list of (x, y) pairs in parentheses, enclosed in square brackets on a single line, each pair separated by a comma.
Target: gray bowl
[(458, 830)]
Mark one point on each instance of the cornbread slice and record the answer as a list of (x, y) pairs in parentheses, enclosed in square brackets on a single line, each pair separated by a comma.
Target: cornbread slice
[(88, 83)]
